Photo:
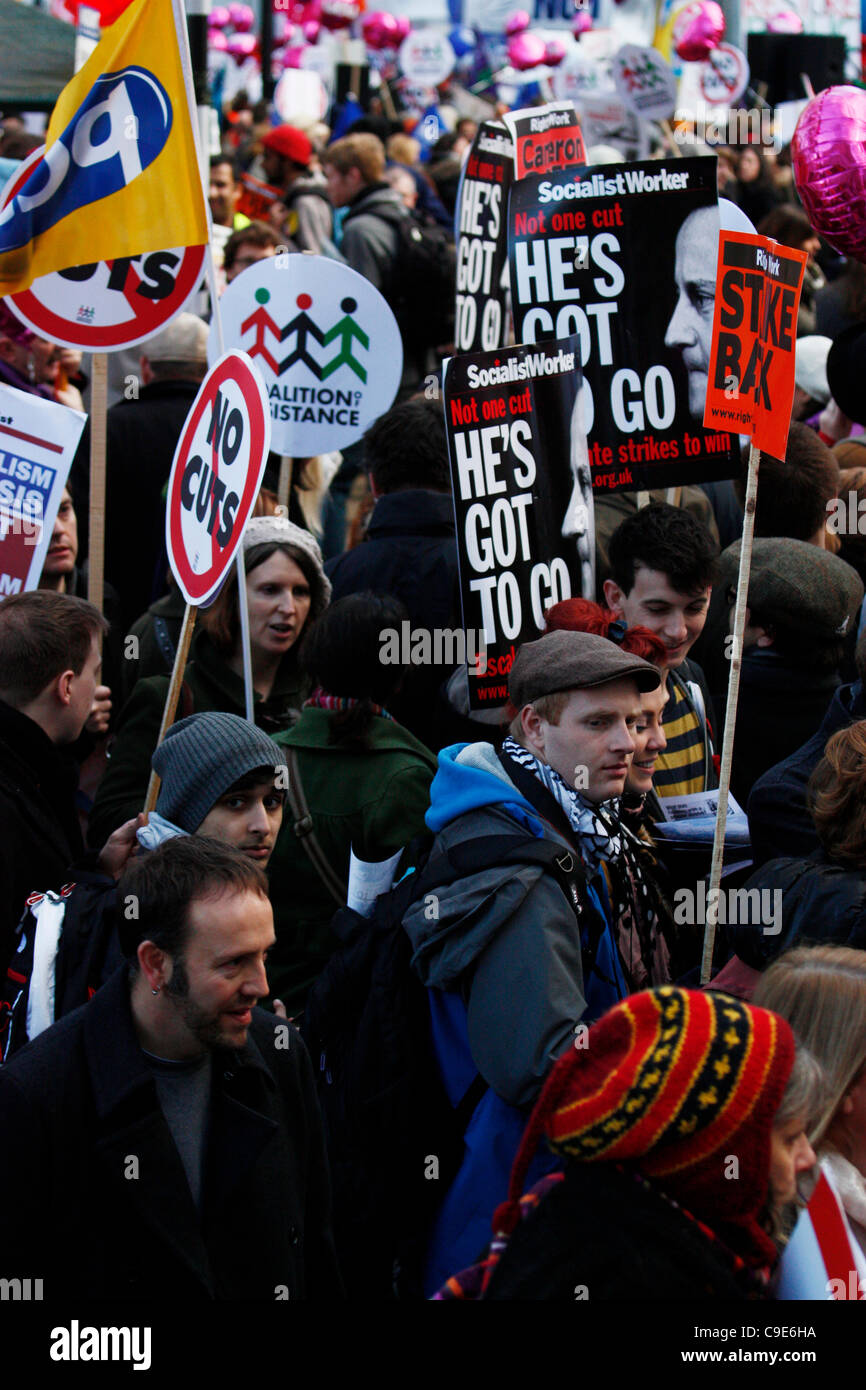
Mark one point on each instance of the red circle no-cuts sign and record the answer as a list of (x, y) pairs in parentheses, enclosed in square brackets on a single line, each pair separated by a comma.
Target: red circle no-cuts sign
[(216, 475), (109, 304)]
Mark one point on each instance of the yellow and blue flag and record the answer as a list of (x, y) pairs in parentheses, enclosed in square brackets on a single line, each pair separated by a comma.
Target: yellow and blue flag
[(120, 175)]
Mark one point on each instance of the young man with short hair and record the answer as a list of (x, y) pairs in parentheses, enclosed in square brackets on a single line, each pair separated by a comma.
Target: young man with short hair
[(192, 1163), (50, 662), (220, 777), (515, 953), (662, 562)]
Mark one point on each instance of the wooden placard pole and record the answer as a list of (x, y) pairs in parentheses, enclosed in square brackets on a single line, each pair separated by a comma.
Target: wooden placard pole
[(180, 659), (284, 486), (731, 713), (98, 430)]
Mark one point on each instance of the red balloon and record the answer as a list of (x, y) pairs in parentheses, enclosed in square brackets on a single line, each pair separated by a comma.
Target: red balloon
[(380, 30), (554, 53), (339, 14), (241, 46), (698, 29), (242, 18), (784, 22), (526, 51), (829, 158), (516, 23), (404, 26), (292, 55)]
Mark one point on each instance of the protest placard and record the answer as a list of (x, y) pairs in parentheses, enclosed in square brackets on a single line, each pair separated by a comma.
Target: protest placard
[(38, 439), (315, 329), (751, 385), (522, 497), (216, 475), (482, 240), (625, 257), (751, 378), (645, 81), (545, 137)]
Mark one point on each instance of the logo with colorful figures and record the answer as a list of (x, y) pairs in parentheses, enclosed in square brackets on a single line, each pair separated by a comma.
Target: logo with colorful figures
[(326, 343)]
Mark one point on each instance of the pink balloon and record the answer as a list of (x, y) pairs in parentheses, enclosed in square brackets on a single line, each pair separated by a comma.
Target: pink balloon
[(516, 23), (404, 26), (526, 51), (311, 29), (829, 158), (582, 23), (698, 29), (219, 18), (554, 53), (242, 46), (242, 18), (292, 55), (339, 14), (380, 30), (218, 41), (785, 22)]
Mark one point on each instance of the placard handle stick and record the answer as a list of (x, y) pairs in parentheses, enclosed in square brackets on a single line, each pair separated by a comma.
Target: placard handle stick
[(249, 697), (245, 632), (98, 407), (731, 712), (669, 132), (284, 486), (174, 685)]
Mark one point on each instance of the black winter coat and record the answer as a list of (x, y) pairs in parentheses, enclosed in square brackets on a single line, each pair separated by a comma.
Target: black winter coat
[(410, 552), (39, 831), (602, 1231), (80, 1100), (779, 819), (822, 901)]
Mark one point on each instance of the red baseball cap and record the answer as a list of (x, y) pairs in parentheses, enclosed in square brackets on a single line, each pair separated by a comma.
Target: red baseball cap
[(289, 141)]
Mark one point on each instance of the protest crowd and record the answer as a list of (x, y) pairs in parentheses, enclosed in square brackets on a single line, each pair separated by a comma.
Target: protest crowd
[(412, 954)]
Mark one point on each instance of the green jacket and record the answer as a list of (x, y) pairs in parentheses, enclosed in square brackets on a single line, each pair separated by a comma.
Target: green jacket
[(372, 801), (209, 684)]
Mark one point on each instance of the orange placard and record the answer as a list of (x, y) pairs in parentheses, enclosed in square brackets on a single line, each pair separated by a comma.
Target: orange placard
[(751, 378)]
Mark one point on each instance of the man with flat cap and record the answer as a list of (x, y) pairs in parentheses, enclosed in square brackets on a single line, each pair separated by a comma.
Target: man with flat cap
[(518, 952)]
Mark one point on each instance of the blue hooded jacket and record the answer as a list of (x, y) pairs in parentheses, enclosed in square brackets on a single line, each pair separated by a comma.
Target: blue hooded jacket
[(501, 956)]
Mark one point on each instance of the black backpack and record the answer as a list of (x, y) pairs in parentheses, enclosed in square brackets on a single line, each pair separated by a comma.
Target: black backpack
[(385, 1110), (422, 284), (87, 952)]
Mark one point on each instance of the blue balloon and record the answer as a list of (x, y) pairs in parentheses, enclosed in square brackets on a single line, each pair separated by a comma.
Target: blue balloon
[(462, 40)]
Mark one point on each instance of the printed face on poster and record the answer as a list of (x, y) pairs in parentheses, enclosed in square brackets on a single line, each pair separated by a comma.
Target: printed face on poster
[(625, 257), (326, 343), (751, 376), (522, 497), (38, 439), (482, 240)]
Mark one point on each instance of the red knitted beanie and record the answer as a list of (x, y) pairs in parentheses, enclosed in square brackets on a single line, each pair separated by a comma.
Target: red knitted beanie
[(681, 1084)]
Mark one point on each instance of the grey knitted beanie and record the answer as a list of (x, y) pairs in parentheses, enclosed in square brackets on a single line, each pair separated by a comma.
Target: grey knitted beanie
[(201, 757), (278, 530)]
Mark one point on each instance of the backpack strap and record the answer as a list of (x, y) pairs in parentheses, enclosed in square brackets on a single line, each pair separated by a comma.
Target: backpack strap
[(163, 641), (303, 829)]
